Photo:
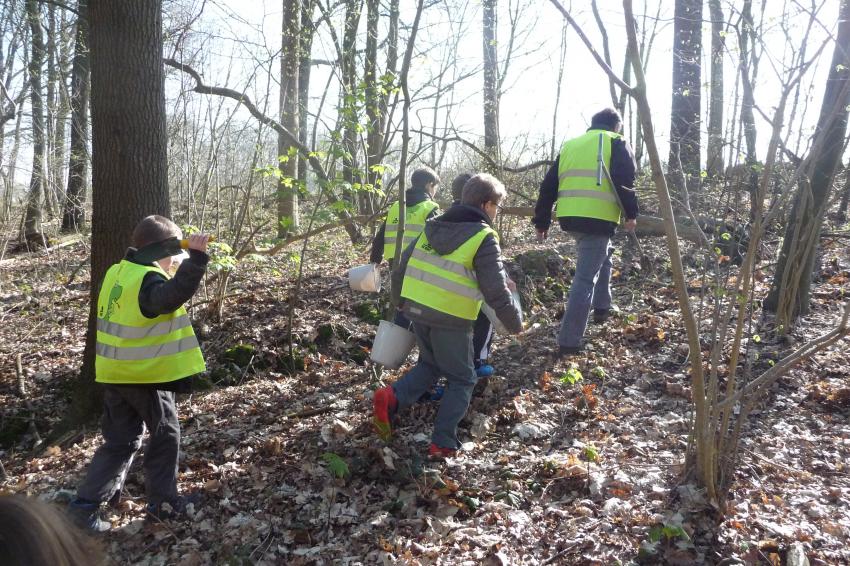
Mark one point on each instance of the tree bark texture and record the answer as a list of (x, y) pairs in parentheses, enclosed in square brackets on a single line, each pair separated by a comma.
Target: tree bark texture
[(790, 292), (747, 65), (287, 195), (374, 116), (129, 166), (350, 114), (714, 157), (304, 68), (73, 216), (491, 79), (32, 220), (684, 162)]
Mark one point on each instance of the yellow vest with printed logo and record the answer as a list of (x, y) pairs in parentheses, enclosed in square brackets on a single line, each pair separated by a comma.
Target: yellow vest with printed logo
[(414, 223), (446, 283), (578, 193), (132, 348)]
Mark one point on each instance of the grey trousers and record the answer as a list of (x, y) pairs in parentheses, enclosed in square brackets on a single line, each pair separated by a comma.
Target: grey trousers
[(127, 411), (591, 286), (446, 352)]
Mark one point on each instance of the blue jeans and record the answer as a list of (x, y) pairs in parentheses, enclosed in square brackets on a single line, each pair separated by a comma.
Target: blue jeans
[(591, 286), (447, 352)]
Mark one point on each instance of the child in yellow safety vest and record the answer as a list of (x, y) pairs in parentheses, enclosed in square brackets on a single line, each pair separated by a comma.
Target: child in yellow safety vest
[(146, 352), (439, 284)]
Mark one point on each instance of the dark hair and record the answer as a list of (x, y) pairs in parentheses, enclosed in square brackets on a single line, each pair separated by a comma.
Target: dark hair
[(422, 177), (608, 119), (153, 229), (34, 532), (458, 183), (481, 189)]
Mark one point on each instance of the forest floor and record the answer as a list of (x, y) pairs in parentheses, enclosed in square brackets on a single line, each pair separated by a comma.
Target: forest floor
[(552, 472)]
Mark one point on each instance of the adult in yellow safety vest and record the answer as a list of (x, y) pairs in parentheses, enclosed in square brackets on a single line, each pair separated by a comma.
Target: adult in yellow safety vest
[(145, 352), (591, 186), (419, 207), (440, 284)]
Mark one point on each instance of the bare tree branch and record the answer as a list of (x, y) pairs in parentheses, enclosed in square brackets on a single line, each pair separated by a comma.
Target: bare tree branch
[(611, 74)]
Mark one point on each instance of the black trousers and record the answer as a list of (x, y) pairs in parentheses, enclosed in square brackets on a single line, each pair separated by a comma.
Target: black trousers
[(127, 411)]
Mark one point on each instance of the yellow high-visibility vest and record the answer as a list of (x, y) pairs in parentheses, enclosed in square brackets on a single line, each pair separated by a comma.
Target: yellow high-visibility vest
[(414, 223), (132, 348), (578, 194), (446, 283)]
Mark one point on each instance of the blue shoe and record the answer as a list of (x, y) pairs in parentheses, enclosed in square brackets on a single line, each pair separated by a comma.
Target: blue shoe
[(437, 393), (86, 515), (484, 370)]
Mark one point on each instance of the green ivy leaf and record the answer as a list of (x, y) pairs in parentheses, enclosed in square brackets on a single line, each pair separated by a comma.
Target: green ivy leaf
[(572, 376), (336, 465)]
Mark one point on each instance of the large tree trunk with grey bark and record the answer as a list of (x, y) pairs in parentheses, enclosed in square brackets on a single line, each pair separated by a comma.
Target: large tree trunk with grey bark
[(129, 168)]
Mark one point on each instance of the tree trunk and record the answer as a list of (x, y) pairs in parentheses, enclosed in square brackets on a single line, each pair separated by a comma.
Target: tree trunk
[(491, 80), (51, 106), (374, 114), (32, 221), (63, 110), (73, 216), (350, 118), (845, 196), (304, 67), (287, 187), (747, 66), (714, 159), (684, 163), (790, 291), (129, 167)]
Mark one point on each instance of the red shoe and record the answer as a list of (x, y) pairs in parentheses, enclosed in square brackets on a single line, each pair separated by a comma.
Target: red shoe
[(384, 404), (440, 453)]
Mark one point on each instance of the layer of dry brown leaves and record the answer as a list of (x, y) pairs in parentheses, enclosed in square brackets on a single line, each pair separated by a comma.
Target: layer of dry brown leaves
[(550, 472)]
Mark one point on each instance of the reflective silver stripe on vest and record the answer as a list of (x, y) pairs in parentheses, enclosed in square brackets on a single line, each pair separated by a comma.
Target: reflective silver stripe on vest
[(405, 240), (442, 283), (133, 332), (577, 173), (606, 195), (445, 264), (407, 227), (145, 352)]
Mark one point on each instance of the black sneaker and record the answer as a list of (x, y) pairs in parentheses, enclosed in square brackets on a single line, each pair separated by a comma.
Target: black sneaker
[(567, 351), (175, 509), (601, 315), (86, 515)]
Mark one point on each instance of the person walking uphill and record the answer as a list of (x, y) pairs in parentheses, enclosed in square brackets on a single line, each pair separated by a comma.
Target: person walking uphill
[(482, 330), (146, 351), (419, 207), (590, 211), (439, 284)]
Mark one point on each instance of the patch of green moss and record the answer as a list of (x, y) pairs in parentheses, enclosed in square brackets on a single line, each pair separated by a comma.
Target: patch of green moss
[(241, 354), (367, 312)]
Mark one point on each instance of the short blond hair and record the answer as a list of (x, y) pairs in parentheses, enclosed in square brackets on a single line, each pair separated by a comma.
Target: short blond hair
[(481, 189)]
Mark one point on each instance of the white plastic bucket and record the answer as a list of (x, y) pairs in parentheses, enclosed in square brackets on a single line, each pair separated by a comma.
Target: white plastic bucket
[(494, 320), (365, 278), (392, 345)]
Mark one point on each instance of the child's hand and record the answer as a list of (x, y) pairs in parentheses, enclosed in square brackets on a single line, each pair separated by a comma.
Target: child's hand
[(199, 242)]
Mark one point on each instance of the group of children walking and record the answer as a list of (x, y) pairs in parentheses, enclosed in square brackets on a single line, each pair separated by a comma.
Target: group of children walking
[(146, 350)]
